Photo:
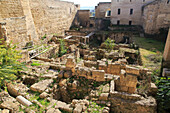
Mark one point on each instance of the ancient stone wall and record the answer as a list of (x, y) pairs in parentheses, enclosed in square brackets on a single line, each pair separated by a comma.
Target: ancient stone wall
[(28, 20), (101, 9), (125, 7), (52, 16), (83, 17), (156, 15), (11, 13)]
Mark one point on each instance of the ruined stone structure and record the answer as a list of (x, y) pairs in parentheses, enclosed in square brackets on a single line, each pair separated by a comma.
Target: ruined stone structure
[(103, 10), (28, 20), (156, 15), (82, 18)]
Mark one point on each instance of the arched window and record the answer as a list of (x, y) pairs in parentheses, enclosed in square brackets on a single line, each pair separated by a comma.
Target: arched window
[(108, 13)]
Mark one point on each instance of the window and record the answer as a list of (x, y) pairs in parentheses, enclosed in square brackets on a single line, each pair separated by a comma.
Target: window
[(168, 1), (130, 22), (118, 22), (131, 11), (117, 0), (108, 13), (143, 0), (118, 12), (130, 0)]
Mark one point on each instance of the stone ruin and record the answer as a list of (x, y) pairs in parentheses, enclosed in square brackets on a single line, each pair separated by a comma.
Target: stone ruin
[(80, 78)]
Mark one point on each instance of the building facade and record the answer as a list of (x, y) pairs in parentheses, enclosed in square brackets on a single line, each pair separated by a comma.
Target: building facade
[(103, 10), (127, 12)]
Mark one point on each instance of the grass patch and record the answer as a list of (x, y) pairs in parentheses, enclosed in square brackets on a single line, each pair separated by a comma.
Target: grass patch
[(151, 52), (149, 44), (35, 63)]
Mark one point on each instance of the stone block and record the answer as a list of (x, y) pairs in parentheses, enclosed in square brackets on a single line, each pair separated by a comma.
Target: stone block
[(114, 69), (78, 109), (23, 101), (98, 75), (132, 70), (41, 86), (131, 90), (17, 89), (104, 96)]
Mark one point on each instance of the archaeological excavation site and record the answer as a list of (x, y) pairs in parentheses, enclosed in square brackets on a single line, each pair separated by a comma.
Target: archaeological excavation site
[(56, 56)]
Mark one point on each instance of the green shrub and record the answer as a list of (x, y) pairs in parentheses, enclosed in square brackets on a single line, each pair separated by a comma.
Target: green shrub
[(62, 49), (9, 64), (163, 95), (109, 44)]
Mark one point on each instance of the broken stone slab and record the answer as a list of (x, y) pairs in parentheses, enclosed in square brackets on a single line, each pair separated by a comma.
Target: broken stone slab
[(53, 110), (124, 95), (8, 102), (44, 95), (49, 76), (23, 101), (64, 106), (17, 89), (78, 108), (41, 86)]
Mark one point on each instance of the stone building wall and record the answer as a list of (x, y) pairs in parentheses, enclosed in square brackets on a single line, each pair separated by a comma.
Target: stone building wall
[(101, 9), (28, 20), (52, 16), (11, 13), (125, 6), (83, 17), (156, 15)]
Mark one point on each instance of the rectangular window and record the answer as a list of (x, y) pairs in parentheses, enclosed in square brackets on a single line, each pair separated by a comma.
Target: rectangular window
[(118, 22), (118, 12), (131, 11), (143, 0), (130, 22)]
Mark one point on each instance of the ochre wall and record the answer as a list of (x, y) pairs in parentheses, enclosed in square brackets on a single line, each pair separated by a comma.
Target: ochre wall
[(31, 19), (156, 16), (52, 16)]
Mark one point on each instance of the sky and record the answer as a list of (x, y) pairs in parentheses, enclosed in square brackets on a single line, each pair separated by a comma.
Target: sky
[(84, 4)]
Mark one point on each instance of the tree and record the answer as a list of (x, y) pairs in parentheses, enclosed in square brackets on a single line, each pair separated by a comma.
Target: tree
[(109, 44), (9, 64)]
